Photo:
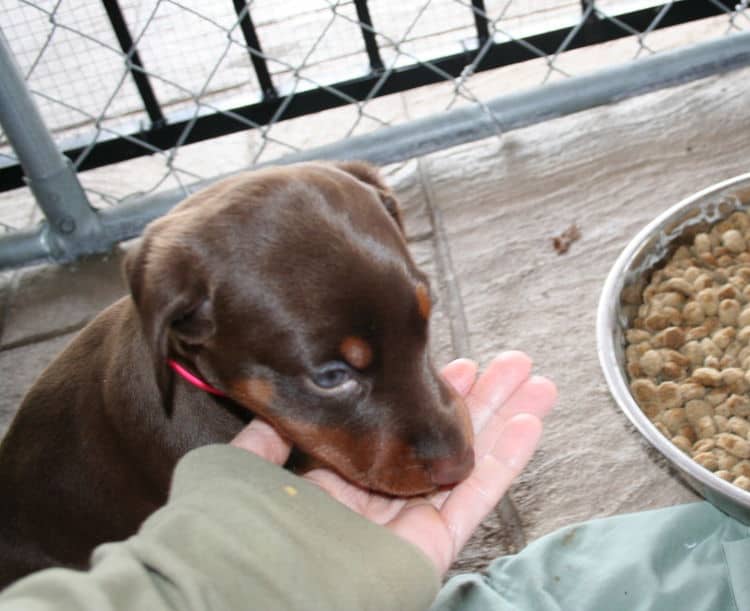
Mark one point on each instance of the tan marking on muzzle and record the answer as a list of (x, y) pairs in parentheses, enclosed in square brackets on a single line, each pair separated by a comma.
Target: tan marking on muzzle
[(371, 460), (256, 392)]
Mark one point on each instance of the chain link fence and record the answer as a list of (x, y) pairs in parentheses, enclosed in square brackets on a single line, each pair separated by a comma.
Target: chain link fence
[(148, 97)]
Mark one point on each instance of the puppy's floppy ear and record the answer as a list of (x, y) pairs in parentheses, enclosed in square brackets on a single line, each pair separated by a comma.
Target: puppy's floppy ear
[(173, 303), (369, 174)]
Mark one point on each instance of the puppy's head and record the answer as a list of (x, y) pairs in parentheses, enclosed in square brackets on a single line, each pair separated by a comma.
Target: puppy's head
[(292, 291)]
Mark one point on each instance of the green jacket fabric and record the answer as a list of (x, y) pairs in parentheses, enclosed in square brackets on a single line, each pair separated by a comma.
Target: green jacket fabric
[(685, 558), (241, 533)]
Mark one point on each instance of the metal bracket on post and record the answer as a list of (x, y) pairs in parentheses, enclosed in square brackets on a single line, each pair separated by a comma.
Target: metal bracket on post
[(73, 227)]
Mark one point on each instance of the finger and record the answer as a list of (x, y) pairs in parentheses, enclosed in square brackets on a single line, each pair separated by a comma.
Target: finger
[(536, 396), (461, 374), (261, 438), (503, 376), (472, 500)]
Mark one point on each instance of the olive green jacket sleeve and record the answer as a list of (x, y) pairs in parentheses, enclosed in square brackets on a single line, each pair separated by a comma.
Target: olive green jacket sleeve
[(241, 533)]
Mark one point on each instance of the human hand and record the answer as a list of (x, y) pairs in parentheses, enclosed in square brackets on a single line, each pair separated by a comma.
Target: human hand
[(506, 404)]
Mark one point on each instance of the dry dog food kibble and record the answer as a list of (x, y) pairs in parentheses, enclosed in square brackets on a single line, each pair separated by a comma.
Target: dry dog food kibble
[(688, 349)]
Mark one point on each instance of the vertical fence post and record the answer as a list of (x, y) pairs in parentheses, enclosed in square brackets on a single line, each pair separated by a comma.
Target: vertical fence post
[(73, 226)]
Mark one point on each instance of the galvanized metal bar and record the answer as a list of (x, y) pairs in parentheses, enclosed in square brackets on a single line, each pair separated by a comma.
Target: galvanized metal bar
[(188, 129), (468, 124), (21, 248), (254, 50), (557, 99), (368, 34), (72, 228), (135, 65), (424, 136)]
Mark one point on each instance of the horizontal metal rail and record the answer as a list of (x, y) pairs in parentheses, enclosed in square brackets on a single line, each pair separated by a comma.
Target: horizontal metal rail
[(416, 138), (189, 129)]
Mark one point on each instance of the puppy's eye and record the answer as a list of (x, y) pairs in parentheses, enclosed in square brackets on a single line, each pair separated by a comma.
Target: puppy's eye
[(333, 376)]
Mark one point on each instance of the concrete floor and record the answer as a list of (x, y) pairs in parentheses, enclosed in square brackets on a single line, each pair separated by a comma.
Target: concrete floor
[(481, 219)]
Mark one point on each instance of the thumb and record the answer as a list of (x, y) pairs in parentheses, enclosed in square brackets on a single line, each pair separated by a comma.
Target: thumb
[(261, 438)]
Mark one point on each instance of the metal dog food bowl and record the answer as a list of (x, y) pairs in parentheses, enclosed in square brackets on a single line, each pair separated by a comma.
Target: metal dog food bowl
[(631, 272)]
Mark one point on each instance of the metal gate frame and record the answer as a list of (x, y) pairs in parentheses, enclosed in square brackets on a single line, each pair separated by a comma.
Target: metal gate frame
[(73, 228)]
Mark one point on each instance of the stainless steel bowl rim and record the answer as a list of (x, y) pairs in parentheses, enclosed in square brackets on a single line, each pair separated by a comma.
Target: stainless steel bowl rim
[(616, 379)]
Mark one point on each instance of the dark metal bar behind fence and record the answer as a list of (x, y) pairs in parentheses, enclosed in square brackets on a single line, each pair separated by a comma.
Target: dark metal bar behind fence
[(167, 134), (368, 33), (134, 63), (254, 49), (480, 21)]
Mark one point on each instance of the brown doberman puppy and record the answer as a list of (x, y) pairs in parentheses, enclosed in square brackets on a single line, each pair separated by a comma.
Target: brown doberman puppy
[(286, 293)]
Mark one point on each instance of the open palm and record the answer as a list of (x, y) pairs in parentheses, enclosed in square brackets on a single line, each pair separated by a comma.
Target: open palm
[(506, 404)]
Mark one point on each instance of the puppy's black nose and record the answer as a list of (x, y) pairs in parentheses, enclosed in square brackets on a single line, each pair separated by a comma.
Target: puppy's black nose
[(446, 471)]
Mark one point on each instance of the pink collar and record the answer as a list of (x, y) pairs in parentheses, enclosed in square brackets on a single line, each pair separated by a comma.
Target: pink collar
[(194, 379)]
